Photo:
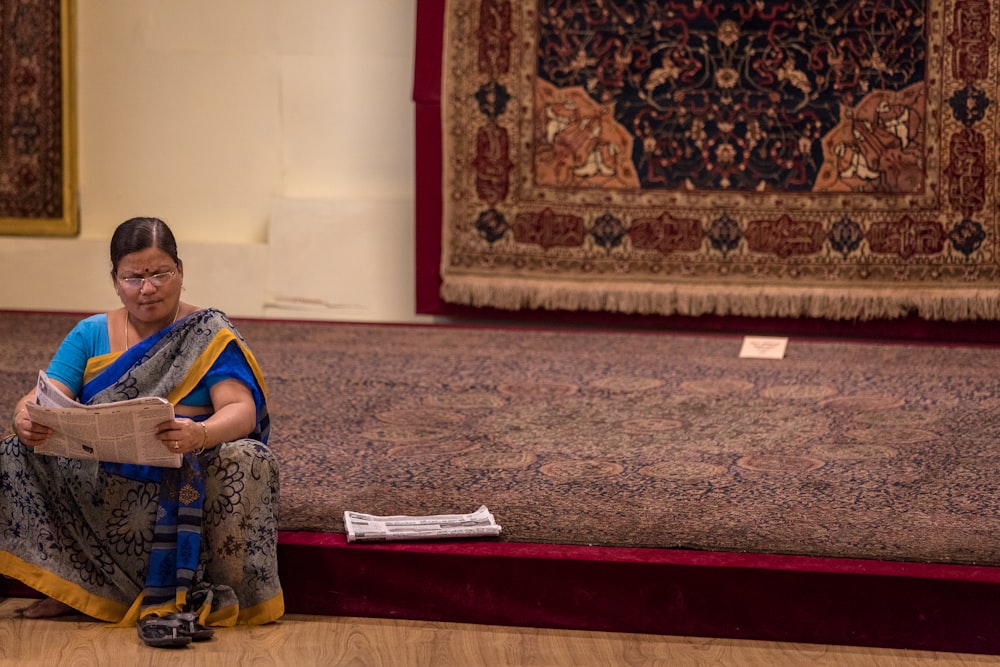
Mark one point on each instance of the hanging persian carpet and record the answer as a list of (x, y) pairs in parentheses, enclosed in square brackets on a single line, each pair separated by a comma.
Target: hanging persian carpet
[(37, 128), (822, 158)]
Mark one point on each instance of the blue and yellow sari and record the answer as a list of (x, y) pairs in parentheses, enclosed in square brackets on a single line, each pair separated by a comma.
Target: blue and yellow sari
[(118, 541)]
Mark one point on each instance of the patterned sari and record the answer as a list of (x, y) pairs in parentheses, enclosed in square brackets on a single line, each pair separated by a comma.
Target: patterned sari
[(122, 541)]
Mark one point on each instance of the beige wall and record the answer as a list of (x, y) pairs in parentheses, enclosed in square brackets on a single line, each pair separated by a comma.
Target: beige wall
[(274, 136)]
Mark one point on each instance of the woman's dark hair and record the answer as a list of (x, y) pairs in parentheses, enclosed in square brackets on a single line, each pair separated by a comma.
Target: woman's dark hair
[(137, 234)]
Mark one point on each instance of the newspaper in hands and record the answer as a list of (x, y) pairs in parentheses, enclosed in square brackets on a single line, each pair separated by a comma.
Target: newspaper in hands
[(370, 528), (122, 432)]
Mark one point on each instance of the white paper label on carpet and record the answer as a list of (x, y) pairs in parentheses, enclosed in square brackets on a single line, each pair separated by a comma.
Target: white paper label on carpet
[(763, 347)]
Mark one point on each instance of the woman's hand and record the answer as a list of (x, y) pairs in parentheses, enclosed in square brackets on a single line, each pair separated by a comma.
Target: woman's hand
[(181, 435), (27, 431)]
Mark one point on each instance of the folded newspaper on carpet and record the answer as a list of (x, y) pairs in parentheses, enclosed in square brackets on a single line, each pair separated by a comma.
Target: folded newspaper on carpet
[(120, 432), (371, 528)]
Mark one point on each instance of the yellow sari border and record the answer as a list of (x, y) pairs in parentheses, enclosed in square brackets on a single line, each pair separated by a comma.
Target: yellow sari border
[(57, 588)]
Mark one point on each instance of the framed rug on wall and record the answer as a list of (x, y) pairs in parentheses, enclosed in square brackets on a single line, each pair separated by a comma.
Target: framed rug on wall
[(38, 179), (758, 158)]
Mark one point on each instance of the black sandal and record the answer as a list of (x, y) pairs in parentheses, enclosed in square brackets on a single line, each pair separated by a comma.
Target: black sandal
[(162, 632), (190, 627)]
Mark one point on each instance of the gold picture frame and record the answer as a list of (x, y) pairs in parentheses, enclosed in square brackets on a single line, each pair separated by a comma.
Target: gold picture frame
[(66, 223)]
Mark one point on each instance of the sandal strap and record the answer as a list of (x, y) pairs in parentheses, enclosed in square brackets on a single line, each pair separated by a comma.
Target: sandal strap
[(190, 626)]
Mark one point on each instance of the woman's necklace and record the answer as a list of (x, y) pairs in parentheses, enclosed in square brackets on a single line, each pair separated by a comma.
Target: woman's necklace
[(177, 311)]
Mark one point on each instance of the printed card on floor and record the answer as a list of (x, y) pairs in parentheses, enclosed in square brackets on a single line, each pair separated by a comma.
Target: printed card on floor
[(763, 347)]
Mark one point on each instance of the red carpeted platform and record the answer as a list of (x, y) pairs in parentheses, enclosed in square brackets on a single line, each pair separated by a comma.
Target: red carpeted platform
[(659, 591)]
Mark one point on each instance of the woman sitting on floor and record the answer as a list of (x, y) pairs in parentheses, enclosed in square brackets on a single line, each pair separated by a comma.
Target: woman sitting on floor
[(170, 549)]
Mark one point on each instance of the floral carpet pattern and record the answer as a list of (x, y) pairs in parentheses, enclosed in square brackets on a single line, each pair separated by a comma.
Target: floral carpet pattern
[(841, 449), (758, 158)]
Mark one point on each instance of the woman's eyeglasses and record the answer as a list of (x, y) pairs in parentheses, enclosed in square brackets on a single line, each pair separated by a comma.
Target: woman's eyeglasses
[(156, 280)]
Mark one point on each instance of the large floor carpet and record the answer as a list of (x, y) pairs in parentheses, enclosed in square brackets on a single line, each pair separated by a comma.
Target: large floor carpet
[(854, 450)]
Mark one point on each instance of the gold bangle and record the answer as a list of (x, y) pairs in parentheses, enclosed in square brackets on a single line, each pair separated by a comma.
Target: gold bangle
[(204, 438)]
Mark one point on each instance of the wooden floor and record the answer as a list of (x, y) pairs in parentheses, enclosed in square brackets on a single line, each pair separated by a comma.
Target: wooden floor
[(305, 641)]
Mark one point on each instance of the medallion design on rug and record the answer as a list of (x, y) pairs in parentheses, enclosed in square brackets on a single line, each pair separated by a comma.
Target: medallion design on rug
[(757, 158)]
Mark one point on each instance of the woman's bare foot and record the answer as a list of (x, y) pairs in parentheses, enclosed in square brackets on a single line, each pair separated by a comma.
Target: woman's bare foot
[(47, 608)]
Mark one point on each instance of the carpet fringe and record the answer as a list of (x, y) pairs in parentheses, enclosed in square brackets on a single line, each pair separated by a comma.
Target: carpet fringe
[(693, 300)]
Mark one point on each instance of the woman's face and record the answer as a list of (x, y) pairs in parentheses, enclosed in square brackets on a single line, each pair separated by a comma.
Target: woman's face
[(149, 284)]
